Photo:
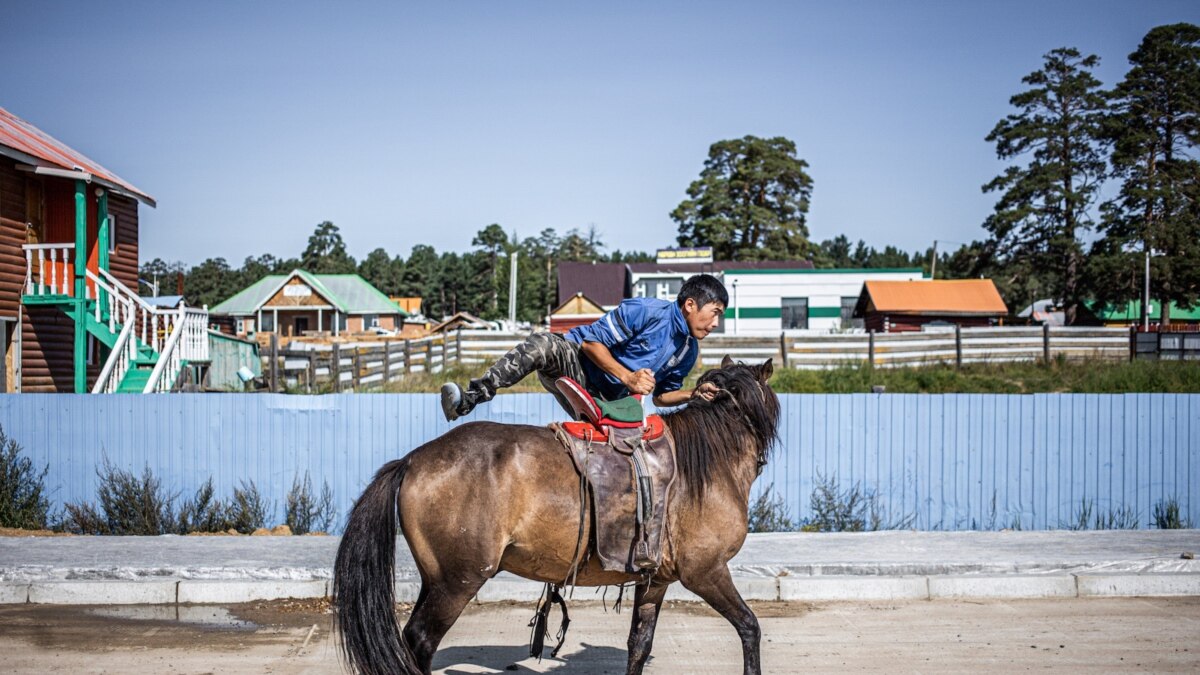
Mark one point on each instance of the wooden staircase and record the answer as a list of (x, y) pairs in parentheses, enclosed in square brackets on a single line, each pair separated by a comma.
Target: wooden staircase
[(148, 347)]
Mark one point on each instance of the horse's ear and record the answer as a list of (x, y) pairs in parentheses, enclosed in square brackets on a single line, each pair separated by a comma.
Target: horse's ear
[(766, 370), (727, 361)]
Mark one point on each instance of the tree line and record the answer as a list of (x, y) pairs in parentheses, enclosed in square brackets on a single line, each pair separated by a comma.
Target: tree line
[(1051, 234), (476, 281)]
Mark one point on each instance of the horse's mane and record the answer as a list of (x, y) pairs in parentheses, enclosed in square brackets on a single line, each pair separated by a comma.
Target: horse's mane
[(712, 435)]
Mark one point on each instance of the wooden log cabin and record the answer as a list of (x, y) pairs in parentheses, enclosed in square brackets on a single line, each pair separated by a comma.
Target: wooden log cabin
[(71, 317)]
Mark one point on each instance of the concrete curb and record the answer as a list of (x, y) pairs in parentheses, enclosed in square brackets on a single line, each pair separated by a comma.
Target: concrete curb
[(103, 593), (1148, 585), (853, 588), (14, 594), (1012, 586), (788, 588), (213, 592)]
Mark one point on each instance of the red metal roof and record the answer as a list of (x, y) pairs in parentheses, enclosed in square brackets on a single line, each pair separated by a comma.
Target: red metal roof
[(36, 147)]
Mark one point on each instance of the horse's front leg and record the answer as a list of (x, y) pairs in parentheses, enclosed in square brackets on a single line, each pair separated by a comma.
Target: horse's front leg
[(716, 588), (647, 602)]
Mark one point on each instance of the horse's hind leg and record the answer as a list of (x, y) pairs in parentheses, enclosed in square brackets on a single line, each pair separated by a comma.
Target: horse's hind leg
[(716, 588), (647, 602), (438, 607)]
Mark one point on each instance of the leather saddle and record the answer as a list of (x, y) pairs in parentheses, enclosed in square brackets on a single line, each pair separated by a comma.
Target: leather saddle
[(628, 464)]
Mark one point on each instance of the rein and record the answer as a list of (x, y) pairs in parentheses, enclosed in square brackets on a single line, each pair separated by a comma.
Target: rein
[(761, 460)]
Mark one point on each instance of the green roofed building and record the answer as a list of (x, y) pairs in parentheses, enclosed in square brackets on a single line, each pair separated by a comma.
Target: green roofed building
[(1131, 313), (300, 302)]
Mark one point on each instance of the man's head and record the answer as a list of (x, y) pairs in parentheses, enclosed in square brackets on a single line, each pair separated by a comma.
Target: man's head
[(702, 299)]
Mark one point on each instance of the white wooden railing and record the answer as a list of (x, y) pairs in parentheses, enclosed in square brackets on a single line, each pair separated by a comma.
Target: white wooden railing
[(120, 312), (176, 334), (188, 342), (49, 269)]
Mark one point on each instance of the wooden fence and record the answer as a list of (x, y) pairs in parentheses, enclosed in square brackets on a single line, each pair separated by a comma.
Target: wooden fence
[(958, 346), (953, 345), (310, 368)]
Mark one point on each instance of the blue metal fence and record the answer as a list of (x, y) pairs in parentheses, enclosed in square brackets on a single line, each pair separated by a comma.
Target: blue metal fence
[(951, 462)]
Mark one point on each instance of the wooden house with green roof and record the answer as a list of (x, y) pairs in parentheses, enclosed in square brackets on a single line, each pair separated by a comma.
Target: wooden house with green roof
[(291, 305)]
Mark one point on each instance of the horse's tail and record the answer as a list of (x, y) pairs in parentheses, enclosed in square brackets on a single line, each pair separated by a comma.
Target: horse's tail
[(364, 593)]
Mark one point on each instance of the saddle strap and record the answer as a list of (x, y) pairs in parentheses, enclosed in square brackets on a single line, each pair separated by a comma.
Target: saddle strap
[(537, 640)]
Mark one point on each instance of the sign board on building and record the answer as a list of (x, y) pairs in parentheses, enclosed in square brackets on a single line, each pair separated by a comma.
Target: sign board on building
[(296, 291), (695, 254)]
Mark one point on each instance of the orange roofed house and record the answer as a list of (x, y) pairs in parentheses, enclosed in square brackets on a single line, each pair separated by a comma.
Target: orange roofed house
[(897, 306), (71, 317)]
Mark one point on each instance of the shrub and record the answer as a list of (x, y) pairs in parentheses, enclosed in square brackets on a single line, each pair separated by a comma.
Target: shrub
[(23, 500), (247, 510), (1120, 518), (854, 510), (1166, 516), (203, 513), (305, 511), (837, 511), (128, 506), (770, 514)]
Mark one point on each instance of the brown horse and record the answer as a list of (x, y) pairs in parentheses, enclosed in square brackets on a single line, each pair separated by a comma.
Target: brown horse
[(486, 498)]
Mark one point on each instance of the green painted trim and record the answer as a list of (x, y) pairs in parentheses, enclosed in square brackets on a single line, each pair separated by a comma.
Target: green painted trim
[(80, 286), (755, 313), (835, 270), (777, 313), (102, 237)]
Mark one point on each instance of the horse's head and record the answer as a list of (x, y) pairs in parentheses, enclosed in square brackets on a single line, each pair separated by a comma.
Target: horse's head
[(744, 391)]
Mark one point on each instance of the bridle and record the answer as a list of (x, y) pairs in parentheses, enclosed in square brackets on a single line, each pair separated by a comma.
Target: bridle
[(761, 460)]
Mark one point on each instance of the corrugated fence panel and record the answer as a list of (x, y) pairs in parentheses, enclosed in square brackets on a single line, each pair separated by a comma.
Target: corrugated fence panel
[(948, 462)]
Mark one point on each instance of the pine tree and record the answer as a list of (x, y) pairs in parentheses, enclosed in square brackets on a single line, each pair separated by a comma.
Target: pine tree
[(326, 252), (1044, 206), (1155, 129), (750, 202)]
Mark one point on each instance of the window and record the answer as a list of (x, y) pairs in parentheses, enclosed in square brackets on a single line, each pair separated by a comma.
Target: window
[(794, 313), (112, 233), (268, 323), (370, 321), (848, 320), (639, 289), (667, 289)]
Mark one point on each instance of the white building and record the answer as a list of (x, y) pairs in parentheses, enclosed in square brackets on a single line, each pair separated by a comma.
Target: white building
[(775, 300)]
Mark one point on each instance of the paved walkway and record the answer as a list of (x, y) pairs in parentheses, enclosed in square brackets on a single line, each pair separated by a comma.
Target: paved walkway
[(791, 566)]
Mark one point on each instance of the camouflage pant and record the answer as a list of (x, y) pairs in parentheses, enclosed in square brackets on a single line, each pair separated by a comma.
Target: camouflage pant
[(549, 355)]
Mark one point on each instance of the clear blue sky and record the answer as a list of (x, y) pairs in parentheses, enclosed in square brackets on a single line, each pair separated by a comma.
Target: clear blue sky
[(252, 122)]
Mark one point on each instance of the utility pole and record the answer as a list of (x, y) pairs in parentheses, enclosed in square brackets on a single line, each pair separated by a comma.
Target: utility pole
[(735, 308), (1146, 290), (933, 262), (512, 289)]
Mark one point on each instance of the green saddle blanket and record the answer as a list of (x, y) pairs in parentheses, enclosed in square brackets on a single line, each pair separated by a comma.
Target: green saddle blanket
[(627, 409)]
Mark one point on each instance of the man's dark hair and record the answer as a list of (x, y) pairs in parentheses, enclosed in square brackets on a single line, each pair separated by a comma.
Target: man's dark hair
[(703, 288)]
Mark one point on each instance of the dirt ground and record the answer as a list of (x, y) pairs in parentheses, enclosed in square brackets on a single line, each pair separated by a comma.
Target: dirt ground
[(1076, 635)]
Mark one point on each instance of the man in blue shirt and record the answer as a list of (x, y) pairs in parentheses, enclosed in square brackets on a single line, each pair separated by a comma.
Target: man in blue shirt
[(644, 346)]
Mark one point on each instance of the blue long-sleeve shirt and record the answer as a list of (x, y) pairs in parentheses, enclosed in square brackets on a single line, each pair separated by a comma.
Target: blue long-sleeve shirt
[(640, 333)]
